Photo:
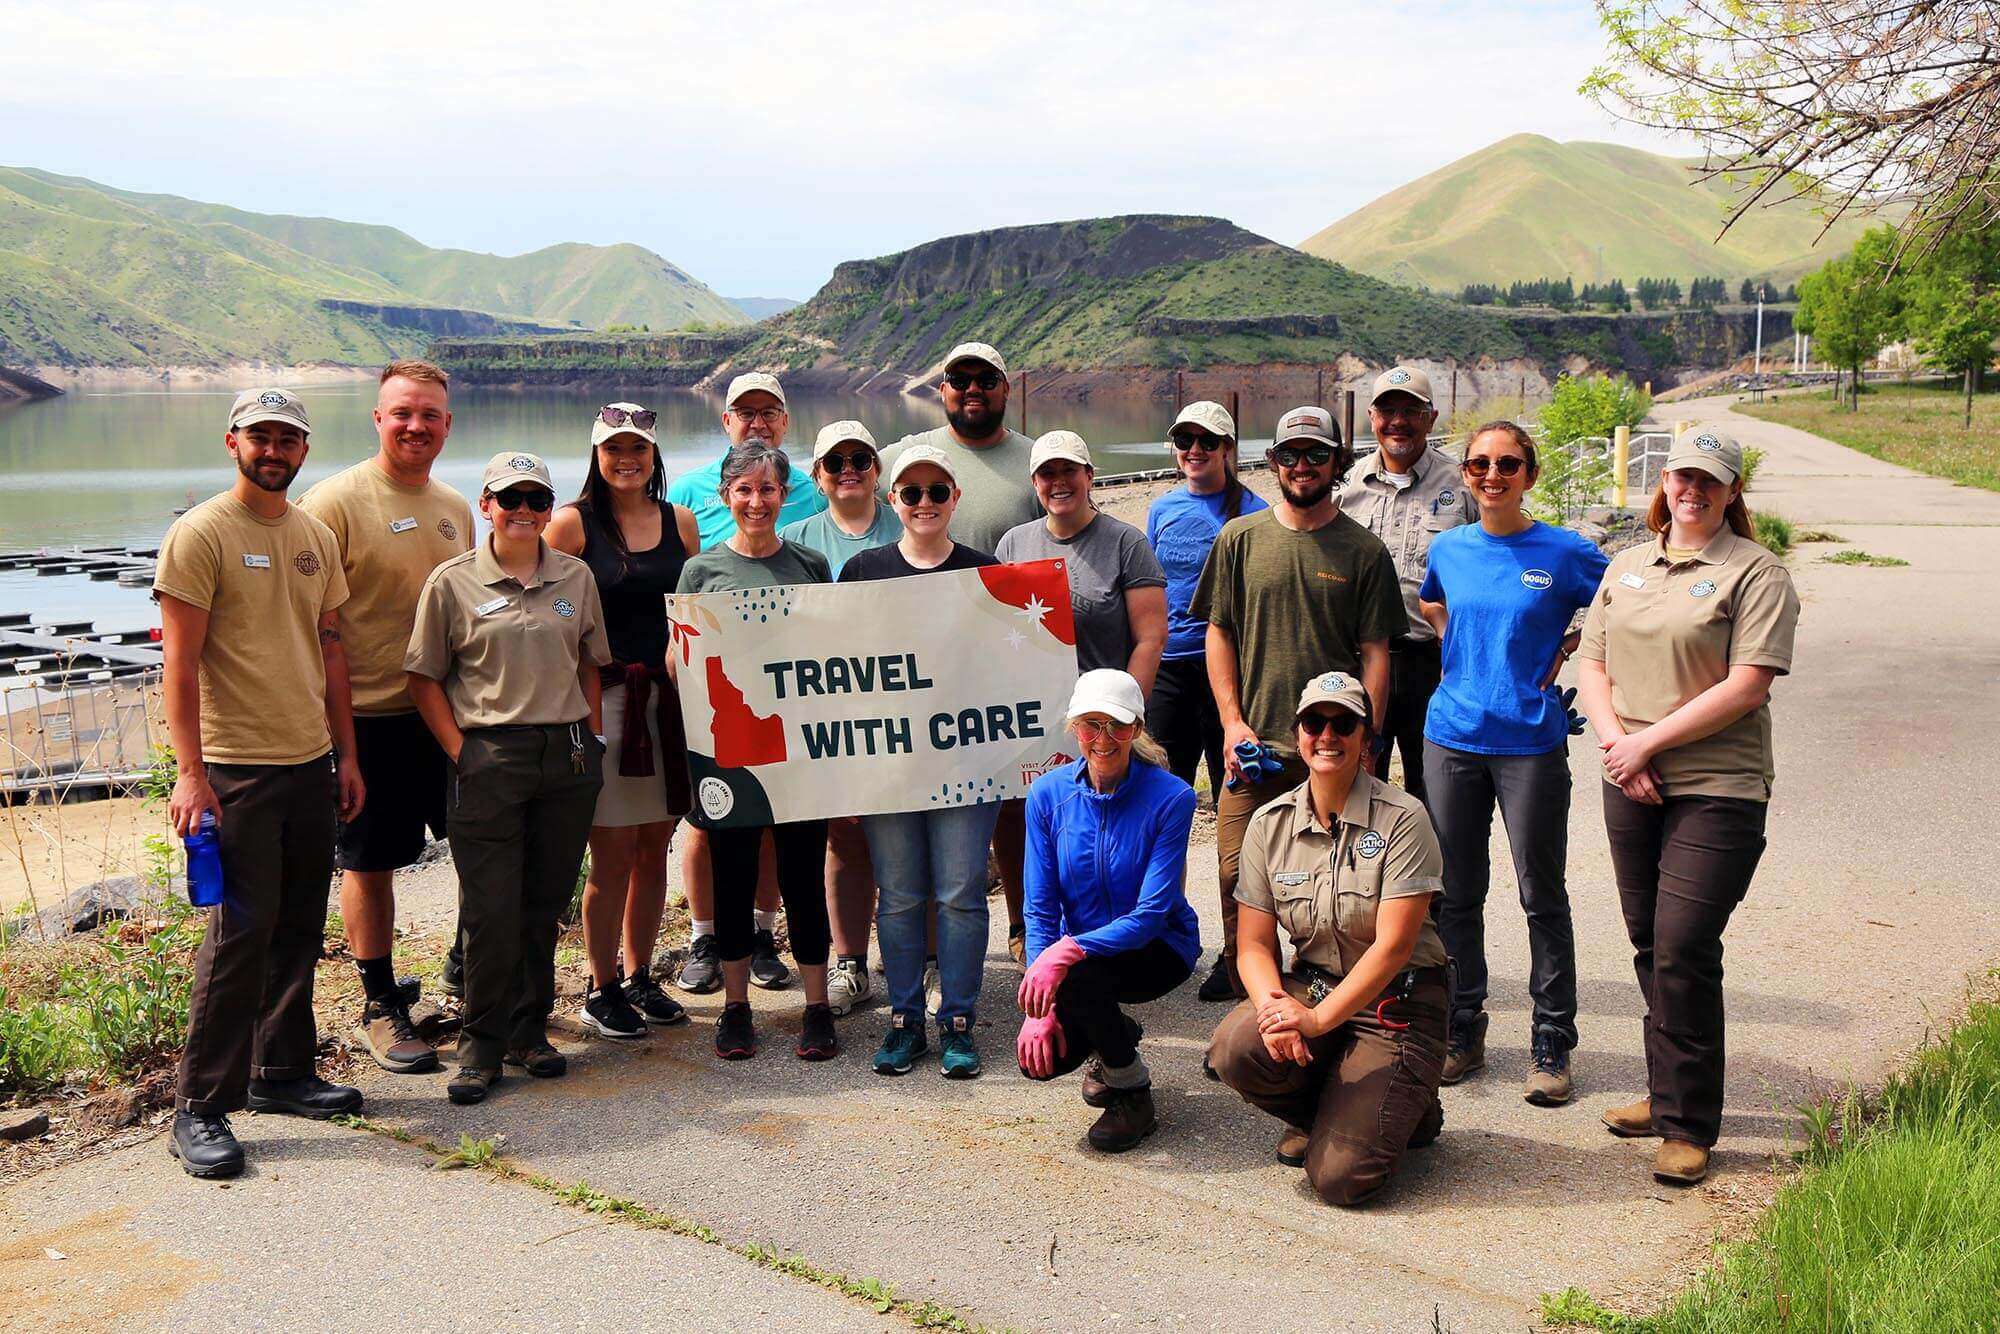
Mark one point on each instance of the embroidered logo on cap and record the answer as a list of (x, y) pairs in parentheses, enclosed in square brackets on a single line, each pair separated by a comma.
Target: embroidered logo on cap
[(1537, 579), (521, 463), (1707, 443), (1334, 681), (1447, 498), (448, 530), (1371, 844), (306, 563), (565, 608), (271, 398), (1398, 376), (1702, 589)]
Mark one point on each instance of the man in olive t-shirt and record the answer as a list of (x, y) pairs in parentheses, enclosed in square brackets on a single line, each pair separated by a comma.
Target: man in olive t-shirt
[(995, 480)]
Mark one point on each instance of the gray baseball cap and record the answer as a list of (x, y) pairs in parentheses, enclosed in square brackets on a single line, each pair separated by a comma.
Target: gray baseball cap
[(1306, 423), (268, 405)]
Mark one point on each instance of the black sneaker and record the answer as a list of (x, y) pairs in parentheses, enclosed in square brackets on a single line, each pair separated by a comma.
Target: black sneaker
[(817, 1041), (735, 1036), (767, 970), (607, 1013), (655, 1005), (1221, 984), (702, 973), (206, 1146)]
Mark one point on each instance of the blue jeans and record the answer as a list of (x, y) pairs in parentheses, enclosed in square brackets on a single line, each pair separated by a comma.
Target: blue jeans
[(921, 857)]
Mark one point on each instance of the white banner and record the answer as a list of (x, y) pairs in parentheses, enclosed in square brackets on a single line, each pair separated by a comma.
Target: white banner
[(816, 700)]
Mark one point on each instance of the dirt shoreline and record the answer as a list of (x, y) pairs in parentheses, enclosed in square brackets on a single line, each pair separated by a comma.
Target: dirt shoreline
[(230, 375)]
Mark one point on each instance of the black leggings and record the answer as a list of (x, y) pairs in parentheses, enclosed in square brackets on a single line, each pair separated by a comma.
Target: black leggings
[(1181, 716), (732, 862), (1096, 985)]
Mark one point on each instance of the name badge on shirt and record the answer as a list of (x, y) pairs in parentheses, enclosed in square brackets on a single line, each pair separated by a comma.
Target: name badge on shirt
[(488, 608), (251, 562), (402, 525), (1631, 581)]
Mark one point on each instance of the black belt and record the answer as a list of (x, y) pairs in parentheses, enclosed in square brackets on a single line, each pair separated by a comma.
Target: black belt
[(1320, 982)]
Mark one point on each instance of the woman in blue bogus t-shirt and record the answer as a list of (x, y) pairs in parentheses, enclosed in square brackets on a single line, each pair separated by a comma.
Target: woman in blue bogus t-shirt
[(1502, 593)]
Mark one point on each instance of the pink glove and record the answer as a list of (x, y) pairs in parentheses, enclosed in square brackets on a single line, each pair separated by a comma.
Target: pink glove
[(1038, 989), (1040, 1046)]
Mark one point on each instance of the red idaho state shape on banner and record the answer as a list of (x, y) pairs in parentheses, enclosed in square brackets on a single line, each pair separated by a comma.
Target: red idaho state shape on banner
[(743, 737), (1045, 582)]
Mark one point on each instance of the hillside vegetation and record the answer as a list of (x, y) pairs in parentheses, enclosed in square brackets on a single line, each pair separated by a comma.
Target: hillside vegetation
[(1529, 207)]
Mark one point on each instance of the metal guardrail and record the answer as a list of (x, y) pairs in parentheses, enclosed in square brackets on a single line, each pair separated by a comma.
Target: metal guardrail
[(59, 736)]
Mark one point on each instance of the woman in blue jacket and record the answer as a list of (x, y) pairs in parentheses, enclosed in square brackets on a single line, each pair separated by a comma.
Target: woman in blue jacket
[(1108, 919)]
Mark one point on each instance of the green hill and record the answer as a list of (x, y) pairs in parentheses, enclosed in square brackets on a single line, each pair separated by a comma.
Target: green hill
[(91, 275), (1529, 207)]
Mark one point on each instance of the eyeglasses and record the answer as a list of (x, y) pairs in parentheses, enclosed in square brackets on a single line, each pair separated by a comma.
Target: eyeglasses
[(643, 418), (757, 416), (1106, 727), (1506, 465), (964, 380), (1342, 723), (1409, 408), (1289, 456), (535, 498), (1191, 441), (835, 462), (939, 492)]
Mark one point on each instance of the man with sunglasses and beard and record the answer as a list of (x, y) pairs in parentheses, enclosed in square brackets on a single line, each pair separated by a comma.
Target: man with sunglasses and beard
[(395, 523), (1406, 493), (1288, 593)]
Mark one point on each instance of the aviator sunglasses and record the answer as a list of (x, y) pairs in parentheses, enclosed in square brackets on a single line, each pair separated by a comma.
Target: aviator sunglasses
[(964, 380), (613, 416), (538, 499), (1506, 465), (1288, 456), (1343, 723), (837, 463), (939, 492), (1107, 727)]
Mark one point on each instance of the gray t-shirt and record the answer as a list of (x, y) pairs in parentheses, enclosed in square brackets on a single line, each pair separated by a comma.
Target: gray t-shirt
[(830, 540), (1105, 559), (995, 489), (720, 570)]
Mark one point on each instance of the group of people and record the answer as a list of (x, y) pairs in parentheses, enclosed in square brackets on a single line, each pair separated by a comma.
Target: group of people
[(347, 673)]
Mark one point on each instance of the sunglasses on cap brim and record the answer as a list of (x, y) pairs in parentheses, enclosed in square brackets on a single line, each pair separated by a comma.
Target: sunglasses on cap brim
[(537, 498), (642, 418)]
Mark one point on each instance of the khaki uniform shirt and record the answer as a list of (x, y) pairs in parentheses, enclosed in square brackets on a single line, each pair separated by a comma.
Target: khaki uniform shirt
[(1325, 886), (391, 537), (1407, 518), (1667, 630), (506, 652), (264, 583)]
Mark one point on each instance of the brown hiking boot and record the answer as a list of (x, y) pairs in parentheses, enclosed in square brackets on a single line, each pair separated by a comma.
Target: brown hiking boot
[(392, 1040), (1549, 1083), (1292, 1144), (1632, 1121), (1430, 1126), (1465, 1050), (1017, 944), (542, 1061), (1096, 1093), (1127, 1120), (1679, 1163)]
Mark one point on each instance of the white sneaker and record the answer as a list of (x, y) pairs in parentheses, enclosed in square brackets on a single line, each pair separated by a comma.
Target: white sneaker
[(933, 988), (847, 985)]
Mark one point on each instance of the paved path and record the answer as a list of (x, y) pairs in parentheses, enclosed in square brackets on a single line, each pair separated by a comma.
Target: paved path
[(1873, 905)]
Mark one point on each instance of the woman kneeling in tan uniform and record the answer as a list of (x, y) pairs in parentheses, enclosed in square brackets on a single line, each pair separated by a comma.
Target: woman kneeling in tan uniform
[(1348, 1049)]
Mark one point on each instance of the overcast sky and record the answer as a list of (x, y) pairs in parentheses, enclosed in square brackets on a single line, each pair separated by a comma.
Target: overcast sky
[(757, 144)]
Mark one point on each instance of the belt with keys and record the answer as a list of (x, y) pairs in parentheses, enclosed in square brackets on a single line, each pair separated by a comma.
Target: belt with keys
[(1320, 984)]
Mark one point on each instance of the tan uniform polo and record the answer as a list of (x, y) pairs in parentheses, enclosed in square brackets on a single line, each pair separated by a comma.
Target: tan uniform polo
[(264, 583), (1324, 887), (1667, 630), (507, 653), (1406, 518), (391, 537)]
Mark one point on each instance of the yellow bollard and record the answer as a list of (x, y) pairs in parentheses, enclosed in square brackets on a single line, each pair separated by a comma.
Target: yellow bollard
[(1621, 462)]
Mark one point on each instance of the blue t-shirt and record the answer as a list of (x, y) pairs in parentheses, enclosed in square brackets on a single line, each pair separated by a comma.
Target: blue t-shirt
[(698, 491), (1509, 602), (1181, 527), (830, 540)]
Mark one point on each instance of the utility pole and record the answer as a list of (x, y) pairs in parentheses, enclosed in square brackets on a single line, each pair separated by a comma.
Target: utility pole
[(1760, 345)]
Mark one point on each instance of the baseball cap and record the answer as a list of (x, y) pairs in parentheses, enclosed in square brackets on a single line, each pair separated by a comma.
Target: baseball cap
[(601, 430), (840, 433), (915, 454), (268, 405), (750, 382), (1059, 445), (1210, 417), (511, 468), (1402, 380), (1336, 688), (1110, 691), (975, 352), (1710, 450), (1306, 423)]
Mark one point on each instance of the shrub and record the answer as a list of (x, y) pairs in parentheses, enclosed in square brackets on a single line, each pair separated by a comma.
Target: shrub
[(1752, 457), (1774, 531)]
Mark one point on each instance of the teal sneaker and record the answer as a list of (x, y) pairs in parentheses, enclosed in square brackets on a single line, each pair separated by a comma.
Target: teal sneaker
[(958, 1058), (901, 1046)]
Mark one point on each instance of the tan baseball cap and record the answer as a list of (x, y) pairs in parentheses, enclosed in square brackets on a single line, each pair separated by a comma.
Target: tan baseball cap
[(1337, 688), (841, 433), (975, 352), (1059, 445), (511, 468), (601, 430), (1109, 691), (750, 382), (268, 405), (1210, 417), (915, 454), (1710, 450), (1306, 423), (1402, 380)]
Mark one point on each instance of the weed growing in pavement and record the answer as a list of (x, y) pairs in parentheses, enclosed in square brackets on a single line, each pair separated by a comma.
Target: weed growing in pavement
[(1774, 532), (469, 1153), (1857, 557), (1816, 535)]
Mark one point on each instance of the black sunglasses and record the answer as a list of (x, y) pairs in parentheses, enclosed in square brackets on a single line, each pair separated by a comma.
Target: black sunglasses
[(939, 492), (1342, 723), (963, 380), (615, 416), (1506, 465), (1190, 441), (1288, 456), (536, 498), (836, 462)]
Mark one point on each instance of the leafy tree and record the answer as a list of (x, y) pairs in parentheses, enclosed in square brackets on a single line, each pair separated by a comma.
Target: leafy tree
[(1574, 470), (1953, 312), (1747, 292), (1853, 305)]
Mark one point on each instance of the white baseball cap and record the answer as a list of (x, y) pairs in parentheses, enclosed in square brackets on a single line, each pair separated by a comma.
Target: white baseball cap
[(915, 454), (1109, 691), (1210, 417), (1059, 445), (841, 433), (975, 352), (750, 382)]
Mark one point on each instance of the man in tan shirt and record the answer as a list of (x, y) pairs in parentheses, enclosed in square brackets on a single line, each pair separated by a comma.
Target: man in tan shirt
[(257, 695), (394, 523)]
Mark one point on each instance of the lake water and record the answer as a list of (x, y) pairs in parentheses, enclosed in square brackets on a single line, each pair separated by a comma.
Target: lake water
[(110, 468)]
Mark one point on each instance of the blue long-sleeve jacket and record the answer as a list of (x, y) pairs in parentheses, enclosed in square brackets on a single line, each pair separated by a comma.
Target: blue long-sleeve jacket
[(1110, 871)]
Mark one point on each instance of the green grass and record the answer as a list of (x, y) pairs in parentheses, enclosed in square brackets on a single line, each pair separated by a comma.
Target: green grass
[(1858, 557), (1917, 426), (1774, 531), (1891, 1225)]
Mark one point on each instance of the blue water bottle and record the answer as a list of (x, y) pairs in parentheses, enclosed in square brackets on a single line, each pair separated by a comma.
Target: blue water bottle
[(204, 864)]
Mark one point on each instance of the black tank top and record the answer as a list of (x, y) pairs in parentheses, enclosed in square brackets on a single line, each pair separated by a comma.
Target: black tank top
[(633, 587)]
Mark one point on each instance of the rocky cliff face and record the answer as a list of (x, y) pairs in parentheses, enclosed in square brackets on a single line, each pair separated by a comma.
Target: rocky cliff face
[(437, 321), (19, 385)]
